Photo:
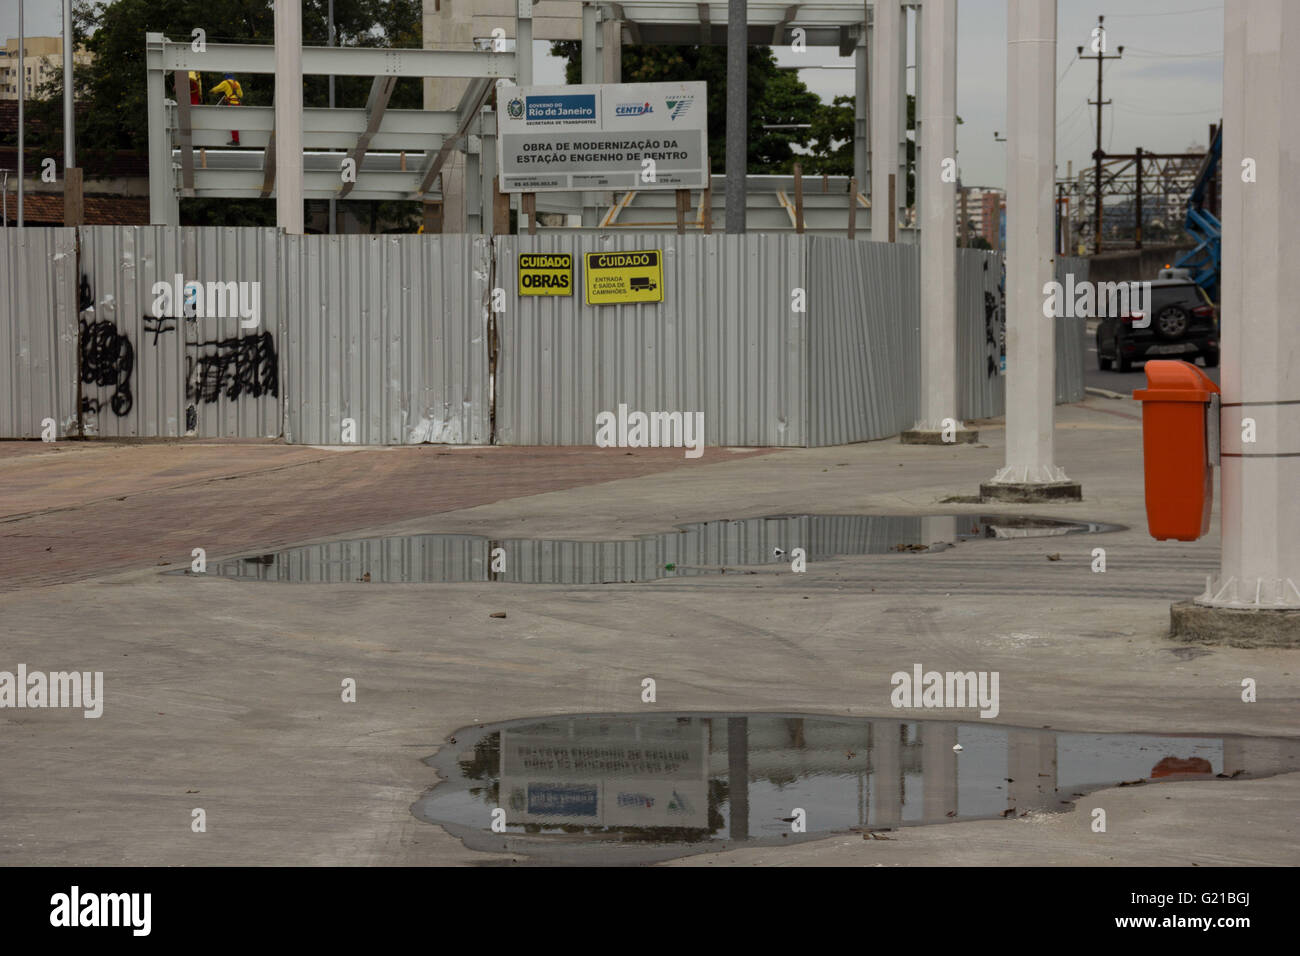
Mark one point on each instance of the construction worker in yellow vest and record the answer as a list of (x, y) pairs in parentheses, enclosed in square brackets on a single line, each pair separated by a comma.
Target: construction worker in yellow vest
[(231, 95)]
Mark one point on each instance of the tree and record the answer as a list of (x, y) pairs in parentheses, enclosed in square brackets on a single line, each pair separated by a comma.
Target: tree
[(777, 97), (112, 96)]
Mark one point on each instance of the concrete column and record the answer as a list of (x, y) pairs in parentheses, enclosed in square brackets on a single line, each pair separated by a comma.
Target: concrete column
[(888, 59), (590, 55), (737, 113), (936, 183), (288, 116), (1031, 767), (887, 775), (611, 51), (1260, 560), (738, 777), (1031, 473), (938, 771)]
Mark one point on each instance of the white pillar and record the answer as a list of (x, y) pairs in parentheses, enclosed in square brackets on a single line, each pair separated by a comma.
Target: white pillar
[(1260, 564), (936, 177), (888, 43), (164, 203), (1031, 162), (288, 115)]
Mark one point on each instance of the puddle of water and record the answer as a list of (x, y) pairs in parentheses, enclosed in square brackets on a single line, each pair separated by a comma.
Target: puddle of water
[(633, 789), (706, 547)]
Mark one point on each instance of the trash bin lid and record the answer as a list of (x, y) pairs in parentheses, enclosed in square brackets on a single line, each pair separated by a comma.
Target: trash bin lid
[(1171, 380)]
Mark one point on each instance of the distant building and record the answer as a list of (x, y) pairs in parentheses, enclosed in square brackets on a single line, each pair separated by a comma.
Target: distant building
[(116, 187), (43, 59), (984, 210)]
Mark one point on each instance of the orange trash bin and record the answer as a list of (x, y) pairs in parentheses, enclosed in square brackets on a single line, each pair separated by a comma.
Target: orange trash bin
[(1180, 439)]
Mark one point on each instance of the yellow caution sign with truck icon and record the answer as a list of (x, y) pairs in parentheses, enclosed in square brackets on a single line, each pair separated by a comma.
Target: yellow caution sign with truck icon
[(613, 278)]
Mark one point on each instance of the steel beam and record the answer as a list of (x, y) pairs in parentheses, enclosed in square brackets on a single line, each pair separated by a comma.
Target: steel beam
[(381, 90), (473, 100), (338, 60)]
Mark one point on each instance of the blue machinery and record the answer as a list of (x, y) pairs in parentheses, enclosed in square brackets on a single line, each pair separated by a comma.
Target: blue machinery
[(1203, 226)]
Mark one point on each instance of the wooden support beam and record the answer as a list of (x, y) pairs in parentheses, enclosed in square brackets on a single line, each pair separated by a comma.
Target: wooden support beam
[(892, 211), (528, 205), (74, 207), (853, 206), (798, 199), (683, 203)]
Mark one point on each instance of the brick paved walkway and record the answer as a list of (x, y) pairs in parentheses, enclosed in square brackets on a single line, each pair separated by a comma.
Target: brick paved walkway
[(72, 511)]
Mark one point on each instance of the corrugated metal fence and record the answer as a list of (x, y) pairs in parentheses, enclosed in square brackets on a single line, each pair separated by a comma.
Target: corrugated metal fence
[(865, 339), (981, 335), (390, 332), (38, 330), (725, 341), (779, 340)]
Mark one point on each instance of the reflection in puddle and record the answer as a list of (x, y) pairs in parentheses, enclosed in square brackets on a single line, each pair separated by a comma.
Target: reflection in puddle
[(706, 547), (631, 789)]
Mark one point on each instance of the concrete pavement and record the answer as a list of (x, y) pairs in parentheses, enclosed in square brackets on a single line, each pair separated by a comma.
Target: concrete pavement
[(225, 696)]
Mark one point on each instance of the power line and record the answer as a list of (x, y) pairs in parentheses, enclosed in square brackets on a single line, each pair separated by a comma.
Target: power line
[(1165, 55), (1073, 61), (1169, 13), (1200, 112)]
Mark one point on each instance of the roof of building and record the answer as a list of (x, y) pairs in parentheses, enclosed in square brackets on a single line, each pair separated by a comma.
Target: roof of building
[(45, 209)]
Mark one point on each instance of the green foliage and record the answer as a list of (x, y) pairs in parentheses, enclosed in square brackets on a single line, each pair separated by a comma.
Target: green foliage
[(831, 140), (113, 100), (776, 96)]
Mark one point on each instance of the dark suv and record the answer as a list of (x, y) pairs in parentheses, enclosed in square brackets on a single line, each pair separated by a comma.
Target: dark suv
[(1183, 325)]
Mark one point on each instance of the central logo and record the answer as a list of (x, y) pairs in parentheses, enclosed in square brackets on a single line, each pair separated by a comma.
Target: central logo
[(632, 109), (515, 108)]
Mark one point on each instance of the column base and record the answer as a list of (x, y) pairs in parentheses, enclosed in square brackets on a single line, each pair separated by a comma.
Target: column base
[(926, 436), (1031, 492), (1193, 623)]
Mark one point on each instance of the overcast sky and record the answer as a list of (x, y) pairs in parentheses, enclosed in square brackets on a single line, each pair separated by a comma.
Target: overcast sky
[(1167, 87)]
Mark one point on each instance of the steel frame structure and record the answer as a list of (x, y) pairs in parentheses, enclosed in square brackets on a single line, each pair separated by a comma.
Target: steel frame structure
[(398, 153)]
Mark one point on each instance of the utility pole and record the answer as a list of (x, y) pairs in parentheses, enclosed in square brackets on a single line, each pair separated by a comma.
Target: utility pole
[(1099, 51)]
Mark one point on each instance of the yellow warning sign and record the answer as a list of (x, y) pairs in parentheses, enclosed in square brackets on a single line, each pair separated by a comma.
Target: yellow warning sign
[(613, 277), (546, 273)]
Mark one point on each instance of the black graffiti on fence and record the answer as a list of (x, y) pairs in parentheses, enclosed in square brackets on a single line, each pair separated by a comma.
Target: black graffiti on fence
[(995, 337), (158, 325), (238, 367), (107, 357)]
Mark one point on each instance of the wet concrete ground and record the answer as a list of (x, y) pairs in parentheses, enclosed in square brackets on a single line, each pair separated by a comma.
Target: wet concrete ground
[(227, 697)]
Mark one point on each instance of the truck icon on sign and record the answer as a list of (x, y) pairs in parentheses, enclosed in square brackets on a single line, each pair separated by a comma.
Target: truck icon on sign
[(641, 284)]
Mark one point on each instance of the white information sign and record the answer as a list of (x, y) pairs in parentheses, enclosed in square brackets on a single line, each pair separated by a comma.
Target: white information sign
[(611, 136)]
